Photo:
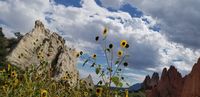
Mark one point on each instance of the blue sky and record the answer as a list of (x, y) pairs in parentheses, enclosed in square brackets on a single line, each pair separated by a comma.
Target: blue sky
[(161, 33)]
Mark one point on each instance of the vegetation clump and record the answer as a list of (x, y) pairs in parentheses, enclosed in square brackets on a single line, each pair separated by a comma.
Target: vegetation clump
[(110, 70)]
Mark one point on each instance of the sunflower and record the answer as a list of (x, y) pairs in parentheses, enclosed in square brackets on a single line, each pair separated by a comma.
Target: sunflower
[(99, 91), (94, 56), (14, 74), (123, 43), (126, 92), (15, 82), (105, 31), (127, 46), (97, 38), (82, 81), (125, 64), (81, 52), (64, 77), (110, 46), (86, 94), (53, 86), (77, 55), (120, 53), (43, 93), (21, 95)]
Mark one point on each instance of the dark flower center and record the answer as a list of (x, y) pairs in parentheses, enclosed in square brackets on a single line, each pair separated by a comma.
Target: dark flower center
[(111, 46), (81, 52), (123, 43), (98, 90), (97, 38), (125, 64), (44, 94), (127, 46)]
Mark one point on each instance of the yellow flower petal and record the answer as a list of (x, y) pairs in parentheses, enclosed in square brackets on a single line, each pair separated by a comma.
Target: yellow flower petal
[(14, 74), (43, 93), (120, 53), (99, 91), (94, 56), (105, 31), (123, 43)]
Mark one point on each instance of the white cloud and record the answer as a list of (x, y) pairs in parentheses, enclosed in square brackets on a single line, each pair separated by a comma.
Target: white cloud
[(136, 77), (179, 19), (21, 14)]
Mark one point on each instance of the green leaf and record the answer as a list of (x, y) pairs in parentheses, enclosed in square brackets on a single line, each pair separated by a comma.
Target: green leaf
[(108, 49), (115, 80), (109, 69), (119, 69), (120, 84), (116, 62), (100, 82), (93, 64), (85, 62), (102, 73), (97, 70)]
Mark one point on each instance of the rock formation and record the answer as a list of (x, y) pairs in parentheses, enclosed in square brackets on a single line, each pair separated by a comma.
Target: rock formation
[(172, 84), (87, 83), (191, 86), (149, 83), (42, 45)]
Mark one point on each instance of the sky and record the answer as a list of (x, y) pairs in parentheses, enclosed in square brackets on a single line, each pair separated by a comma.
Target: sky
[(160, 32)]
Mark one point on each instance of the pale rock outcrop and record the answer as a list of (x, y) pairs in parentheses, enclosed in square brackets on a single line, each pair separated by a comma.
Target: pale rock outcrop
[(41, 44), (87, 83)]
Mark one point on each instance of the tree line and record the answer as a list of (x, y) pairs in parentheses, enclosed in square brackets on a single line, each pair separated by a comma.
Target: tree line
[(7, 44)]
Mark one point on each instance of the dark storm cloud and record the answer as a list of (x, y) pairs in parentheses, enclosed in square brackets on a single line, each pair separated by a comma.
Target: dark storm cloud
[(143, 56)]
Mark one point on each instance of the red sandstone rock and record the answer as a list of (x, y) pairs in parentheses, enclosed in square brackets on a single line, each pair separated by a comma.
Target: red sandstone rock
[(191, 86), (172, 84), (149, 83)]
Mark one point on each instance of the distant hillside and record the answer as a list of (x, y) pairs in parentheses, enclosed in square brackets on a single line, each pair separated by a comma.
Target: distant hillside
[(135, 87)]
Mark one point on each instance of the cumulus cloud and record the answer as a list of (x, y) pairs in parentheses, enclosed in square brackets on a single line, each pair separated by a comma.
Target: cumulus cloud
[(20, 15), (149, 50), (179, 18)]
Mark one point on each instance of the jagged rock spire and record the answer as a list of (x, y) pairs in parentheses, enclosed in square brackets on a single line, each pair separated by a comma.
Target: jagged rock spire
[(39, 24)]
